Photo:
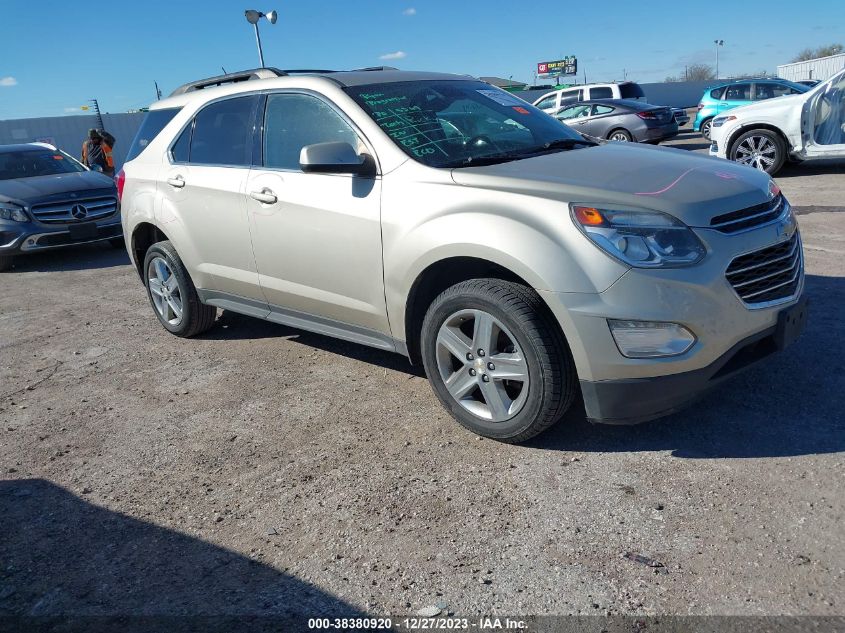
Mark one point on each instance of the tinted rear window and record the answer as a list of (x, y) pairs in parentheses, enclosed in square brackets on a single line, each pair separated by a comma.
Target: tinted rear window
[(601, 93), (223, 132), (631, 91), (153, 123)]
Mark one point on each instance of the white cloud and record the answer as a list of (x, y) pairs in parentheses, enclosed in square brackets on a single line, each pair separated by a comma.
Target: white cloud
[(396, 55), (71, 109), (8, 82), (409, 11)]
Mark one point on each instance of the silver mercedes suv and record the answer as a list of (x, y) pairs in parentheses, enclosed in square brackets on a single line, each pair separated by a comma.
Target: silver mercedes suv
[(441, 218)]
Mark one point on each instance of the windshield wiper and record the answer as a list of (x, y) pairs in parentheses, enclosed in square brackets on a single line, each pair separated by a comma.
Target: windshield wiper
[(560, 143), (479, 161)]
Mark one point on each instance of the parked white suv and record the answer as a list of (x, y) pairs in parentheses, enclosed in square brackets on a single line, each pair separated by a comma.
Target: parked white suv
[(551, 102), (794, 127), (447, 220)]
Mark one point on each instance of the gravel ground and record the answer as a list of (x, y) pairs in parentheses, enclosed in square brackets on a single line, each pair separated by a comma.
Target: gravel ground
[(259, 469)]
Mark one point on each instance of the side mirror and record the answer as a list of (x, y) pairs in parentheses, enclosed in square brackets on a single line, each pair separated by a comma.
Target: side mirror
[(335, 158)]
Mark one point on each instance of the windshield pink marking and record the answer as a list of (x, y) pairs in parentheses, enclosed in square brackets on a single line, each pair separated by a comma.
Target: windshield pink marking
[(666, 188)]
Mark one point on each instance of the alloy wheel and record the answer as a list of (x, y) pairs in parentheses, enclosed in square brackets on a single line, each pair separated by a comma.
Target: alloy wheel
[(165, 291), (757, 151), (706, 129), (482, 366), (619, 136)]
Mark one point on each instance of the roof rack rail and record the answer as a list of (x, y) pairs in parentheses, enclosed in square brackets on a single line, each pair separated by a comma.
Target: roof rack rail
[(229, 78), (260, 73), (373, 69)]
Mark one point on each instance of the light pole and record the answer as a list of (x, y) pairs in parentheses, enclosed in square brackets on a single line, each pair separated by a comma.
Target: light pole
[(253, 16), (718, 43)]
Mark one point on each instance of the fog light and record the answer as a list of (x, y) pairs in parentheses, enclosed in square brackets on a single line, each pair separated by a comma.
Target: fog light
[(650, 339)]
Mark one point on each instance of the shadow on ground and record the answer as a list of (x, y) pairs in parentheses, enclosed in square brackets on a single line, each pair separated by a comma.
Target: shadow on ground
[(790, 404), (69, 561), (89, 256)]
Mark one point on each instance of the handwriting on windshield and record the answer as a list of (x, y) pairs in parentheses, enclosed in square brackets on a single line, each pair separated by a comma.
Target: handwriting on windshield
[(409, 125)]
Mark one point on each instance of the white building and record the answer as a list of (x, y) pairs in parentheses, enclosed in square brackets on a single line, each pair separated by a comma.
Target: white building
[(820, 68)]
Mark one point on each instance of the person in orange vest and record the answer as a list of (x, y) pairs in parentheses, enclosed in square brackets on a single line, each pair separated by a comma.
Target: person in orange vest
[(96, 154)]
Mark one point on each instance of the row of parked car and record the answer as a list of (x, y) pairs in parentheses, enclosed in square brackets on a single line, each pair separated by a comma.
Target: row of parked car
[(763, 122)]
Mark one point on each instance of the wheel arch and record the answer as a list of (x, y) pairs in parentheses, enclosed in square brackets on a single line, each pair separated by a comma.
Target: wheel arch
[(144, 235), (442, 274), (750, 127)]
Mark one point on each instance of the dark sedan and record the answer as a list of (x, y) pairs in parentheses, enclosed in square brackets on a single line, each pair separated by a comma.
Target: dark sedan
[(620, 120), (49, 200)]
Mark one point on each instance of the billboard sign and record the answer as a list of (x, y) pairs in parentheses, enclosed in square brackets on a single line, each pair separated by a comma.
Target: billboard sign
[(566, 66)]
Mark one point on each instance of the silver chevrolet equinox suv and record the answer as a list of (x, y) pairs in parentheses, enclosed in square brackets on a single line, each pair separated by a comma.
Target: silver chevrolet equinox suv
[(439, 217)]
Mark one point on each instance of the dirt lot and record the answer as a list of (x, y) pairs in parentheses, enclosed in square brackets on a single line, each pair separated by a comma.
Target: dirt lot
[(259, 469)]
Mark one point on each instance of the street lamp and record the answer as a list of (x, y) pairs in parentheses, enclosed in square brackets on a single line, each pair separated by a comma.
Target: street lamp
[(718, 43), (253, 16)]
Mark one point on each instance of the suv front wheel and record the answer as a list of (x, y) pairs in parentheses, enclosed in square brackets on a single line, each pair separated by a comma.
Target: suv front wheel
[(496, 360), (172, 293), (762, 149)]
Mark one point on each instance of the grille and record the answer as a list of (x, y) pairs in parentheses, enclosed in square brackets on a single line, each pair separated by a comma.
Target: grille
[(752, 216), (61, 212), (769, 274)]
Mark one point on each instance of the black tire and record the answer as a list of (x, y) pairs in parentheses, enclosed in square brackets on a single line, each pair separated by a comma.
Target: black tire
[(117, 242), (778, 157), (621, 132), (552, 382), (6, 262), (705, 127), (196, 316)]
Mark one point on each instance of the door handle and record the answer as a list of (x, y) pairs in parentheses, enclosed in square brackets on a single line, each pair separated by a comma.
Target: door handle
[(177, 182), (265, 196)]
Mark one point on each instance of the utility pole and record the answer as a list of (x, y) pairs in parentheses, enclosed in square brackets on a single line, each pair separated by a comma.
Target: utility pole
[(100, 125), (718, 43)]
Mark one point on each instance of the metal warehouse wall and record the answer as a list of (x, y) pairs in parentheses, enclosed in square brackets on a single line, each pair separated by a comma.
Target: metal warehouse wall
[(680, 94), (68, 132), (821, 68)]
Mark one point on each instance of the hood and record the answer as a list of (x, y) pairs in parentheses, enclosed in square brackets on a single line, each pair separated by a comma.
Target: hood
[(26, 191), (691, 187)]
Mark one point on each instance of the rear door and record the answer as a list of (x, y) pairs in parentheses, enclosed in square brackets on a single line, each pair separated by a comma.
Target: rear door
[(735, 95), (316, 237), (600, 119), (576, 116), (202, 195)]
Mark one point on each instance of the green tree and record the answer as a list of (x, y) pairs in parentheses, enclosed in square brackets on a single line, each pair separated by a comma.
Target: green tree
[(821, 51)]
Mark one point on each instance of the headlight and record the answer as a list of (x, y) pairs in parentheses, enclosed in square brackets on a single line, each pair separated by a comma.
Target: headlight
[(719, 121), (644, 239), (9, 211)]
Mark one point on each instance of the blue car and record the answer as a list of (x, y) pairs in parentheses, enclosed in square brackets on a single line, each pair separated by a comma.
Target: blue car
[(737, 93)]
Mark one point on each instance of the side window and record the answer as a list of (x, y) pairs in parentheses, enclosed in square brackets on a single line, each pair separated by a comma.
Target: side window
[(180, 152), (738, 92), (602, 109), (574, 112), (548, 102), (293, 121), (223, 133), (604, 92), (768, 91), (718, 94)]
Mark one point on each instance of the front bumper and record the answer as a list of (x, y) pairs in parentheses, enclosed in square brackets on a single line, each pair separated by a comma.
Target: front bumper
[(640, 399), (619, 389), (31, 237)]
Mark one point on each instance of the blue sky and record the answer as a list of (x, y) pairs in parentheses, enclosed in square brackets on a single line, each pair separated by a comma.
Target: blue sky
[(57, 54)]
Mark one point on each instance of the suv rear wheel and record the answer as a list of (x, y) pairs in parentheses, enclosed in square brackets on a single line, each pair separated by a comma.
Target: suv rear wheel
[(496, 360), (172, 293)]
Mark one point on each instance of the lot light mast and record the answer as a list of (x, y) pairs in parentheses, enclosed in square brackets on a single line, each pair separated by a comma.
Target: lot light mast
[(718, 43), (253, 16)]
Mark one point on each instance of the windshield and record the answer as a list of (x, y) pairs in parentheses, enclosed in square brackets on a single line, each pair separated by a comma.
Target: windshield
[(29, 163), (461, 123)]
